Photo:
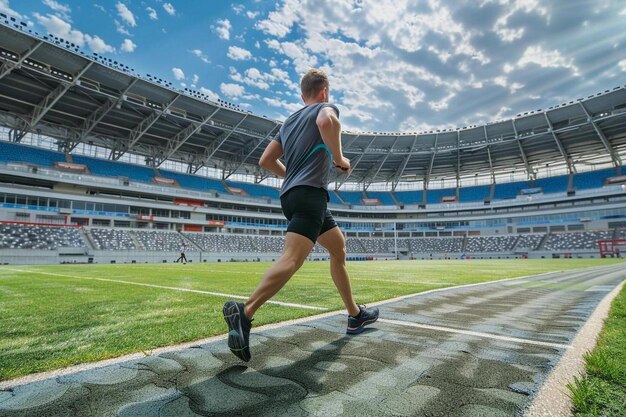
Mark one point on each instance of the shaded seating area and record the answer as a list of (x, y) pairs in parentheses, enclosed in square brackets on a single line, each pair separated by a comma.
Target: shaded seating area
[(11, 152)]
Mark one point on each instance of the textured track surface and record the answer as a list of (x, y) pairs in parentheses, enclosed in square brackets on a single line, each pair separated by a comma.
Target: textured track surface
[(487, 350)]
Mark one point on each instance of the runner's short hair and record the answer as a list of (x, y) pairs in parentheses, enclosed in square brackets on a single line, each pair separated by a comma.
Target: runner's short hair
[(313, 82)]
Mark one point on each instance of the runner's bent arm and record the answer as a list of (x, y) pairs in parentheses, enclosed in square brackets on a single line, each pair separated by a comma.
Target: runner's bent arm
[(270, 160), (330, 129)]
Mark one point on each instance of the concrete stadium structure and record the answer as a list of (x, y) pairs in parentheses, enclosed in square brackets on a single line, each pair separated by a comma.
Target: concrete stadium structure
[(100, 164)]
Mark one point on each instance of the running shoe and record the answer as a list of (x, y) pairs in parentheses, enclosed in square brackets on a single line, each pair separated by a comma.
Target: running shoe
[(238, 330), (365, 317)]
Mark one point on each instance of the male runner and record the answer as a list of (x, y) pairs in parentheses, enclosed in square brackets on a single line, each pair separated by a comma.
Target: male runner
[(182, 258), (305, 139)]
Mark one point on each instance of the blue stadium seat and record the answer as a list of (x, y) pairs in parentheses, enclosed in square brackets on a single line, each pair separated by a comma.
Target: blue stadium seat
[(352, 197), (553, 184), (194, 182), (384, 197), (593, 179), (11, 152), (435, 196), (256, 190), (509, 189), (333, 197), (115, 169), (410, 197), (474, 194)]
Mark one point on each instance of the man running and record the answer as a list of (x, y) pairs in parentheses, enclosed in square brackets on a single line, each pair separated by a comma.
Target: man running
[(182, 258), (305, 139)]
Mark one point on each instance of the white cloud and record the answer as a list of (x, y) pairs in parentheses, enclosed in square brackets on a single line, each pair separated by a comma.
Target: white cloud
[(201, 55), (63, 10), (211, 95), (169, 9), (238, 54), (251, 14), (6, 9), (623, 12), (195, 79), (100, 7), (152, 13), (291, 107), (232, 90), (223, 29), (279, 23), (58, 27), (178, 73), (128, 46), (511, 7), (546, 59), (120, 28), (96, 44), (125, 14), (442, 104), (238, 8), (622, 64)]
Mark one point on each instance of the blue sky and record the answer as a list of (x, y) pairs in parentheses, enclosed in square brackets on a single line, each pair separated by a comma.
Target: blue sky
[(394, 65)]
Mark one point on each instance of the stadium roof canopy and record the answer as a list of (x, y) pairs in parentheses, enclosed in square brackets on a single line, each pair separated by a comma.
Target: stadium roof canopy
[(49, 85)]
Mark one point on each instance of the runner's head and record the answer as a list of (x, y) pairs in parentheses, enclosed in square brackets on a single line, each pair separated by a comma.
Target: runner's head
[(315, 87)]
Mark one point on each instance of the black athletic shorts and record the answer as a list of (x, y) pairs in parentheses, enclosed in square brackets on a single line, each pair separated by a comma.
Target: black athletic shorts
[(306, 209)]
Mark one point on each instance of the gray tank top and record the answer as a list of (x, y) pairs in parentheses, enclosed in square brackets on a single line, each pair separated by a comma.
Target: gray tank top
[(307, 158)]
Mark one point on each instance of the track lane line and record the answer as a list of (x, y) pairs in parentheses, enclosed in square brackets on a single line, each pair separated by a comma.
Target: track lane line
[(472, 333)]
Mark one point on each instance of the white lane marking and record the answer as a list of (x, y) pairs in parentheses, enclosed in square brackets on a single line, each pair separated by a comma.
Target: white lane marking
[(600, 288), (471, 333), (141, 284)]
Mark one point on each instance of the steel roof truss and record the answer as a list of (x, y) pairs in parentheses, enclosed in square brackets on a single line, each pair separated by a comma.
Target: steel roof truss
[(245, 158), (183, 136), (405, 162), (55, 95), (9, 66), (352, 167), (143, 127)]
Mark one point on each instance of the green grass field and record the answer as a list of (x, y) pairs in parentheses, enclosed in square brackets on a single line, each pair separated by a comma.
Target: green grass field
[(602, 392), (56, 316)]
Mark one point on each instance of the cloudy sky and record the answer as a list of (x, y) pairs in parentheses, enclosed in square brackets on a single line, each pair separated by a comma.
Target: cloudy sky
[(394, 65)]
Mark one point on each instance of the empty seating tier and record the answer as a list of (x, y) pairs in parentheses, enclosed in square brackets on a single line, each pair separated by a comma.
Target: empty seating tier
[(10, 152), (111, 239), (490, 244), (575, 240), (14, 236), (529, 242), (160, 240)]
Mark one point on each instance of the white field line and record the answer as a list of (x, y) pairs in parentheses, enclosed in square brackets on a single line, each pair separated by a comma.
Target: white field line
[(472, 333), (164, 287)]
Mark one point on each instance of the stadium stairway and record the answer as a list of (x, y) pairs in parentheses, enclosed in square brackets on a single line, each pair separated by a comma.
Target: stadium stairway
[(190, 242), (514, 245), (543, 241), (464, 245), (85, 236), (393, 197), (136, 241)]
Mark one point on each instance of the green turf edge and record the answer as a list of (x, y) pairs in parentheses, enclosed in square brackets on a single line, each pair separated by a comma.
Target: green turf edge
[(602, 390)]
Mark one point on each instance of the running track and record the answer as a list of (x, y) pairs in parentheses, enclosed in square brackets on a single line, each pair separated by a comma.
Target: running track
[(478, 350)]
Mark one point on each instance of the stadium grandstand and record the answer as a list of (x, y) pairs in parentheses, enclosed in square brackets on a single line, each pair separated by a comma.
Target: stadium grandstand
[(99, 164)]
